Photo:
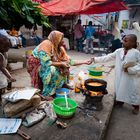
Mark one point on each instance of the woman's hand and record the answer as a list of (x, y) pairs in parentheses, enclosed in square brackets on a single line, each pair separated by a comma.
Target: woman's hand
[(88, 62), (65, 65), (64, 68)]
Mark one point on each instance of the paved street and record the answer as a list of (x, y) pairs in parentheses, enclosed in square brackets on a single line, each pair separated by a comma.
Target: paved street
[(123, 125)]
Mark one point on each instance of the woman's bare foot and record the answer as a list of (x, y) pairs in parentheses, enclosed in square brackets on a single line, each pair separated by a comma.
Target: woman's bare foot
[(135, 109), (49, 98)]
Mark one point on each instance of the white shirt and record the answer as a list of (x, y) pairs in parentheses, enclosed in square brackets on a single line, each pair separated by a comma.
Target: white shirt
[(126, 83), (3, 32)]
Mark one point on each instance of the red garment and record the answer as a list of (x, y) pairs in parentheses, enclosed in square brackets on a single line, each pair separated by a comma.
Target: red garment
[(33, 66)]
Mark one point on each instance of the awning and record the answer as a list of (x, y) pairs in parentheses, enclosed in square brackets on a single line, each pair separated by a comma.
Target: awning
[(105, 8), (69, 7)]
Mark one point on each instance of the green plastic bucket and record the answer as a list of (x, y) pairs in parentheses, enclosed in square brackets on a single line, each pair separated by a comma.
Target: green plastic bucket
[(59, 106)]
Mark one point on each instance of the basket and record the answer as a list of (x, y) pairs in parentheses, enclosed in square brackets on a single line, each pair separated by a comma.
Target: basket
[(59, 106)]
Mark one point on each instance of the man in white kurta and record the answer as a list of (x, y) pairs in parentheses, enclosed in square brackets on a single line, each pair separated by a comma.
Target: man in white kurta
[(126, 83)]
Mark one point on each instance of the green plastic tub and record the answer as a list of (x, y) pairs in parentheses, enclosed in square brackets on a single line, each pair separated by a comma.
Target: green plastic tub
[(59, 106), (95, 71)]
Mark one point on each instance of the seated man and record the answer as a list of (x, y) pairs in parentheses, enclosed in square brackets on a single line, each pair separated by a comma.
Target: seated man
[(25, 34), (18, 39), (12, 39), (35, 36)]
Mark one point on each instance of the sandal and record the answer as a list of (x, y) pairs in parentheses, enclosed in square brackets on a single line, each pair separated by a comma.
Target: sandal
[(33, 118), (118, 104), (135, 111), (61, 124)]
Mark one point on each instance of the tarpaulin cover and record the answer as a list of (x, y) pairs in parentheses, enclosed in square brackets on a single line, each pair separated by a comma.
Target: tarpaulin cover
[(69, 7), (105, 8)]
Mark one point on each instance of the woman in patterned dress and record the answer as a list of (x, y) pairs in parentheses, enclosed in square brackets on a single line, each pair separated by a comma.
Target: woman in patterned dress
[(49, 64), (45, 61)]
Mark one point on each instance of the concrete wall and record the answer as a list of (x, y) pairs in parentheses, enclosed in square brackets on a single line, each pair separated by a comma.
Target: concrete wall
[(86, 18), (134, 14), (123, 15), (131, 15)]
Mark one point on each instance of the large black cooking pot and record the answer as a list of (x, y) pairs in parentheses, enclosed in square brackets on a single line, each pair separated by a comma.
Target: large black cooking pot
[(96, 88)]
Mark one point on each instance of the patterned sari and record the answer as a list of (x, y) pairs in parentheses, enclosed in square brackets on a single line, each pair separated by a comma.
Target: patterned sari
[(33, 66)]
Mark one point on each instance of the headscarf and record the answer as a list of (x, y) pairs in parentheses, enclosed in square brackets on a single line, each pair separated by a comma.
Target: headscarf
[(54, 39)]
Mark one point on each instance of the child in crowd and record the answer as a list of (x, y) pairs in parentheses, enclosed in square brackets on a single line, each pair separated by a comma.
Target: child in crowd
[(4, 73), (127, 70), (14, 33)]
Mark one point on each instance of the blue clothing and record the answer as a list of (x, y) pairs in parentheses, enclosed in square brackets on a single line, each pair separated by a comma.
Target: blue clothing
[(23, 40), (37, 40), (89, 32)]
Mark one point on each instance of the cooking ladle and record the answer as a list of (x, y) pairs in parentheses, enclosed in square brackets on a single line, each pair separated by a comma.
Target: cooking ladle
[(66, 99)]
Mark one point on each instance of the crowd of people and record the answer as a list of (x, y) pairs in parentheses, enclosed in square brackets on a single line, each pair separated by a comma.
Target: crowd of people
[(13, 36), (86, 39), (80, 34), (18, 38)]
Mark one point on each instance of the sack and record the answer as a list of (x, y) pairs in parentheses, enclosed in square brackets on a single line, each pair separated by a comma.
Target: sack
[(33, 118)]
